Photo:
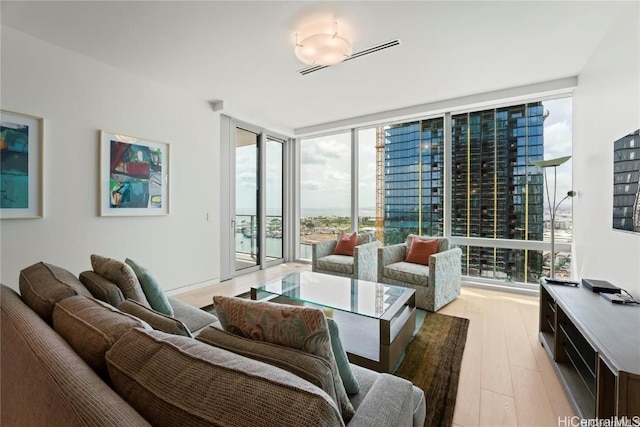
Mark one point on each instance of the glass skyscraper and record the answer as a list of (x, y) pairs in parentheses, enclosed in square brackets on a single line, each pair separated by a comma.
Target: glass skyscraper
[(495, 192), (413, 179)]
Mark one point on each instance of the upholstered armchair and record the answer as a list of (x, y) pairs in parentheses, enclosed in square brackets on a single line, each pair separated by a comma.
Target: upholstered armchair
[(436, 284), (362, 265)]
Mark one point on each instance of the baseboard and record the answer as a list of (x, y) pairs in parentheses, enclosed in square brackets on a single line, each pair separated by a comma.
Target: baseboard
[(502, 288), (192, 287)]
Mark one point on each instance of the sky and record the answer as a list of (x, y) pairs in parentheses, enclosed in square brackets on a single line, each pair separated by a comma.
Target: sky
[(325, 176)]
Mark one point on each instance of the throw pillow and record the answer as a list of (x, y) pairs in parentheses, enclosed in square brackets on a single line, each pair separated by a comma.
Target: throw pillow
[(342, 360), (345, 244), (120, 274), (157, 320), (101, 288), (302, 328), (152, 290), (421, 250), (91, 327)]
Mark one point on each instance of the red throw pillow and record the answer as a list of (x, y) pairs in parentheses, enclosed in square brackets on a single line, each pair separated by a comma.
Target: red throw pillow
[(421, 250), (346, 243)]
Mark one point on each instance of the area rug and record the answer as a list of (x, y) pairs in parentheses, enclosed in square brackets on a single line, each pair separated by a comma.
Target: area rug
[(432, 362)]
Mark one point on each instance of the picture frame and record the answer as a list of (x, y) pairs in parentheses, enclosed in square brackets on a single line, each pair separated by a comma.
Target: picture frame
[(134, 175), (21, 166)]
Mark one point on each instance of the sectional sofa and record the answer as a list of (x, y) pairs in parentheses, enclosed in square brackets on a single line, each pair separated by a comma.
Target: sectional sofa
[(69, 358)]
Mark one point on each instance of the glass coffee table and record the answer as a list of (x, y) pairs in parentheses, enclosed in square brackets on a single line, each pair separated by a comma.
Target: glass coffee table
[(376, 321)]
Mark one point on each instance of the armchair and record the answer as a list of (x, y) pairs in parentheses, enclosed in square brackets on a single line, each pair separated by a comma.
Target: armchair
[(362, 265), (436, 285)]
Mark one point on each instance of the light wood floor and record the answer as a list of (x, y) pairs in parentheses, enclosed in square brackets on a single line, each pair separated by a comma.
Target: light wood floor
[(506, 378)]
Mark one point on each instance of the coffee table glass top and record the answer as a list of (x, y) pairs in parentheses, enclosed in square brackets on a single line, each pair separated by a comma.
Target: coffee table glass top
[(340, 293)]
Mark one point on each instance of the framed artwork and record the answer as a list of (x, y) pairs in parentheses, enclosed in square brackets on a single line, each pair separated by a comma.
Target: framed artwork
[(626, 183), (21, 171), (134, 176)]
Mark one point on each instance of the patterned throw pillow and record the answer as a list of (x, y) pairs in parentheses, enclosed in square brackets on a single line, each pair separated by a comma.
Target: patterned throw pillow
[(346, 243), (120, 274), (421, 250), (302, 328)]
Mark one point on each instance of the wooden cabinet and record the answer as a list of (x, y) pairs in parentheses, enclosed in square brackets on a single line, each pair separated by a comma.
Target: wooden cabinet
[(596, 349)]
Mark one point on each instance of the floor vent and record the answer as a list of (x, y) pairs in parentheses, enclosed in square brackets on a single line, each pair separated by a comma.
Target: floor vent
[(369, 51)]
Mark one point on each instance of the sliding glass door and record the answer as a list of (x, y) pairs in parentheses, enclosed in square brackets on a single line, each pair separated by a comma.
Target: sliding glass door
[(253, 215)]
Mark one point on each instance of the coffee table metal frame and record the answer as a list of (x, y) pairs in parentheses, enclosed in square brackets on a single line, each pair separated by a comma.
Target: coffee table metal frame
[(372, 340)]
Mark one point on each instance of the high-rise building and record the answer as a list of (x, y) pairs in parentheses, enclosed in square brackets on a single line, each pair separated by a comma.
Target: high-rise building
[(495, 192), (413, 179)]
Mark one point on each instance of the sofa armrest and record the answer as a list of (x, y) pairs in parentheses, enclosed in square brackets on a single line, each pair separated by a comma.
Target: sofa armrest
[(365, 259), (322, 249), (445, 266), (445, 276), (389, 402), (45, 382)]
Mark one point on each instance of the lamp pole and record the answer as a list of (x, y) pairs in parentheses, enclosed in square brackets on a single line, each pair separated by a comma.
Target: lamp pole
[(544, 164)]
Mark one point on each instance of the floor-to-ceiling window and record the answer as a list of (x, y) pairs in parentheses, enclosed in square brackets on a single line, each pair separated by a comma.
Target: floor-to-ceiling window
[(496, 208), (370, 188), (325, 189)]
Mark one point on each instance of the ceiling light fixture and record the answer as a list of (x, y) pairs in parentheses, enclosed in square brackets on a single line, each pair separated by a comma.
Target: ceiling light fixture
[(321, 44)]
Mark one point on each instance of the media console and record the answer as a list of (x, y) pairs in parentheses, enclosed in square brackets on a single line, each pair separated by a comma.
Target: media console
[(596, 349)]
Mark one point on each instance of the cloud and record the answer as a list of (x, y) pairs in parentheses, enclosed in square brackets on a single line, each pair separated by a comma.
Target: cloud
[(309, 186), (560, 110)]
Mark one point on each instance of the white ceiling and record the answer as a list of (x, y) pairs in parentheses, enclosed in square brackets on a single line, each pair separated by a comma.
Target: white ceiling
[(242, 52)]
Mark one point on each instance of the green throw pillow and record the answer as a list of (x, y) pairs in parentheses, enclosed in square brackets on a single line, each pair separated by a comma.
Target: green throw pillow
[(344, 369), (151, 288)]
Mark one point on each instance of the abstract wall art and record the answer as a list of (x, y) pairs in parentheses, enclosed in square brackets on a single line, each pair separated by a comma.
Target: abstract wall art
[(21, 137), (134, 176)]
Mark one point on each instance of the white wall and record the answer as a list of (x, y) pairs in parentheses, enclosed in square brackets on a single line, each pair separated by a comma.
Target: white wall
[(606, 107), (77, 96)]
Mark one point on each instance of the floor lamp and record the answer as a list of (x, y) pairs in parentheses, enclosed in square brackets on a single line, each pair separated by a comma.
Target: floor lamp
[(545, 164)]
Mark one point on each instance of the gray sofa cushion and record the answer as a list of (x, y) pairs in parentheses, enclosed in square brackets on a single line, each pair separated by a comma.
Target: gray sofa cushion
[(91, 327), (157, 320), (202, 385), (337, 263), (43, 285), (407, 272), (312, 368), (193, 317), (366, 379)]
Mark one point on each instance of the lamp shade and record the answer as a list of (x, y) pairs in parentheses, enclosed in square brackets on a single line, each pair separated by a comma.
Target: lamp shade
[(322, 45), (551, 162)]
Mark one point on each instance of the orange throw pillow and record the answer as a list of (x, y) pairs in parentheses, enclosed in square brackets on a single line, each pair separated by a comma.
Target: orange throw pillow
[(421, 250), (346, 243)]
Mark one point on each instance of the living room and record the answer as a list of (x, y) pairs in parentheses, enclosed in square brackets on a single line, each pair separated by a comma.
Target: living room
[(48, 73)]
